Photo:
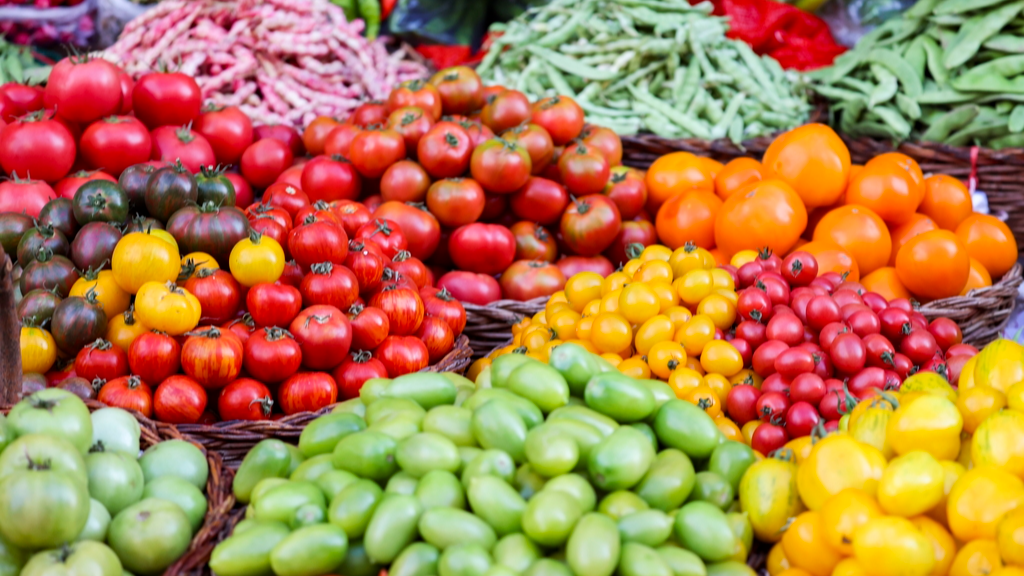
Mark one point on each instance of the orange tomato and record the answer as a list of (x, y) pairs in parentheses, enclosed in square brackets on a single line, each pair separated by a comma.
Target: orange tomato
[(711, 166), (705, 399), (934, 265), (946, 201), (664, 357), (917, 224), (832, 258), (907, 163), (738, 173), (805, 545), (635, 367), (767, 213), (813, 160), (855, 169), (674, 174), (978, 278), (720, 257), (729, 429), (888, 188), (682, 380), (860, 232), (886, 282), (989, 241), (814, 216), (688, 217)]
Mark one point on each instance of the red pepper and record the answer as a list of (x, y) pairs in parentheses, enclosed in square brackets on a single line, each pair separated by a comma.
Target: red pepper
[(386, 6)]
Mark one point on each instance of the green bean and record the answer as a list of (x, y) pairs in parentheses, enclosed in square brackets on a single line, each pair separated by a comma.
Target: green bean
[(949, 19), (565, 32), (687, 86), (893, 119), (672, 64), (904, 29), (753, 62), (735, 131), (856, 84), (950, 122), (986, 74), (713, 110), (721, 127), (908, 106), (685, 121), (1008, 141), (977, 30), (962, 6), (558, 81), (885, 88), (899, 67), (571, 65), (922, 8), (977, 130), (1006, 43), (946, 96), (874, 130), (916, 56), (934, 60)]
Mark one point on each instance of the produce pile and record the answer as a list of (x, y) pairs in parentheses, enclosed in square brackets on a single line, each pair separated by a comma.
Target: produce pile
[(564, 469), (947, 71), (883, 224), (281, 62), (77, 497), (664, 67)]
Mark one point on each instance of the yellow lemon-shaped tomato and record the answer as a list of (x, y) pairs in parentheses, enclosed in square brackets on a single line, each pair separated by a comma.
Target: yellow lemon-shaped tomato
[(999, 441), (999, 365), (893, 546), (869, 421), (1010, 538), (929, 382), (943, 545), (838, 462), (928, 422), (911, 484), (721, 357), (843, 513), (979, 499), (777, 561), (976, 558), (805, 545), (978, 403), (951, 472), (768, 495)]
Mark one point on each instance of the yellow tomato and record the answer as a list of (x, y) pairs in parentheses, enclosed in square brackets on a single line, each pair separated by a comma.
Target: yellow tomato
[(951, 472), (837, 462), (690, 257), (705, 399), (720, 309), (584, 328), (721, 357), (943, 545), (654, 330), (843, 513), (124, 328), (656, 252), (563, 322), (682, 380), (893, 546), (142, 257), (911, 484), (746, 377), (999, 441), (638, 303), (964, 457), (694, 286), (654, 271), (196, 261), (112, 298), (537, 336), (929, 382), (748, 431), (978, 403), (777, 561), (167, 307), (801, 447), (592, 309), (729, 429), (611, 332), (667, 297), (520, 326), (849, 567), (868, 423), (999, 365), (1015, 397), (582, 288), (635, 367), (256, 259), (806, 545), (664, 357), (694, 364), (742, 257), (795, 572), (930, 423), (630, 268), (1010, 538), (722, 279), (610, 302), (553, 306), (976, 558), (695, 334), (1009, 571), (678, 315), (477, 367), (967, 374), (729, 295), (768, 494), (613, 282), (719, 384), (613, 359), (38, 350), (979, 499)]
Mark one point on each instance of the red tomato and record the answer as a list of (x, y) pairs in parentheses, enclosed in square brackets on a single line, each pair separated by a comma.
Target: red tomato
[(84, 89), (369, 113), (801, 418), (421, 230), (330, 178), (102, 360), (403, 355), (272, 355), (212, 356), (325, 335), (444, 151), (412, 123), (495, 206), (115, 143), (633, 235), (460, 88), (127, 87), (373, 151), (583, 171), (264, 160), (741, 403), (317, 241), (482, 248), (540, 200), (38, 146), (628, 189), (529, 279), (370, 326), (479, 289), (284, 134), (166, 99), (307, 392), (478, 133), (402, 306), (70, 184), (537, 143), (366, 261), (945, 332), (533, 242), (794, 362), (171, 144), (352, 215), (920, 346), (437, 336), (505, 110), (179, 400), (288, 198), (339, 140), (21, 99), (573, 265), (590, 225), (315, 134), (228, 130), (218, 292), (441, 304), (245, 399), (604, 141), (292, 275), (408, 266), (404, 181), (320, 210), (129, 393), (500, 167), (418, 93), (154, 356), (561, 116), (386, 234), (455, 202), (355, 371), (330, 284), (785, 328), (243, 192), (273, 304), (243, 327), (848, 353)]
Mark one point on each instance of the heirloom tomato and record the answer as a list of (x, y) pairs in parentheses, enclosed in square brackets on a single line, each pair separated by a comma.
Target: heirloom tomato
[(273, 304), (179, 400), (218, 293), (590, 225), (386, 234), (329, 284), (142, 257), (245, 399), (168, 308), (77, 322), (370, 326), (257, 259), (24, 196), (129, 393), (437, 336), (212, 356), (403, 355), (38, 350), (317, 240), (272, 354), (123, 329), (154, 356), (307, 392), (354, 371), (325, 335), (102, 360), (402, 306)]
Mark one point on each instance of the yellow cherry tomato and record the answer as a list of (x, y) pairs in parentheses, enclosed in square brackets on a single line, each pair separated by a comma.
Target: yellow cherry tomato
[(748, 430), (682, 380), (976, 558), (256, 259), (689, 257), (613, 359), (613, 282), (928, 422), (696, 334), (167, 307), (694, 364), (667, 297), (582, 288), (593, 308), (999, 441), (795, 572), (722, 280), (719, 384), (705, 399), (563, 322), (893, 546), (742, 257), (777, 561), (746, 377), (38, 350), (999, 365), (630, 268), (1015, 397), (911, 484), (1010, 538), (553, 306), (678, 315), (611, 332), (721, 357), (477, 367), (540, 318), (979, 499), (142, 257), (729, 295), (518, 327), (844, 512), (837, 462), (1009, 571), (729, 429), (768, 493), (849, 567), (196, 261), (720, 309), (610, 303), (694, 286), (536, 337), (664, 357), (806, 545), (655, 329), (635, 367), (656, 252), (124, 328), (654, 271), (943, 545), (929, 382), (112, 297), (638, 302), (951, 472), (584, 328)]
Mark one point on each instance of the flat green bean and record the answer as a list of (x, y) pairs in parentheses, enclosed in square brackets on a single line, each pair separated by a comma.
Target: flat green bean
[(962, 6), (916, 56), (934, 60), (950, 122), (978, 130), (721, 127), (885, 87), (922, 8), (892, 118), (1005, 43), (900, 68), (1008, 141), (977, 30), (908, 106)]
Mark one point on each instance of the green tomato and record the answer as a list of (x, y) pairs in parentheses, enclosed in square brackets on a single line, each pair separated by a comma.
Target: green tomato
[(181, 492), (33, 449), (116, 430), (176, 458), (11, 558), (97, 524), (86, 558), (150, 535), (56, 412), (42, 508), (115, 479)]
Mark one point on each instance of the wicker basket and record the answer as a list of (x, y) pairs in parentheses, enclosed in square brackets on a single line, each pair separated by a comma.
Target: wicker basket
[(232, 440), (490, 326), (984, 312)]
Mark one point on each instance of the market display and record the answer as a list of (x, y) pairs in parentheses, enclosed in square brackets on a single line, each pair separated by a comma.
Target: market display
[(76, 496), (945, 72), (664, 67)]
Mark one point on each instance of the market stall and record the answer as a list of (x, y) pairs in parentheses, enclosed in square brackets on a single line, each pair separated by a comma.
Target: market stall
[(550, 288)]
